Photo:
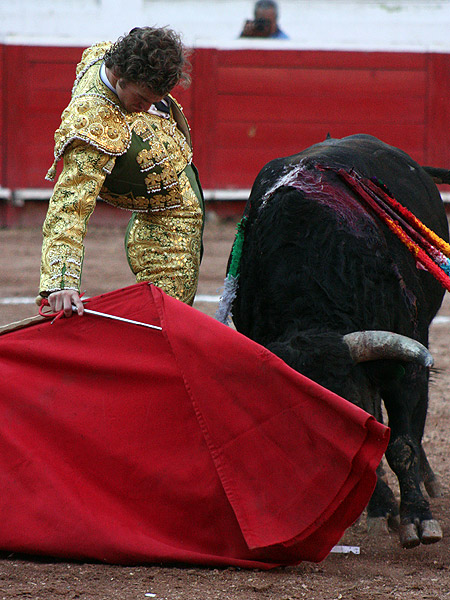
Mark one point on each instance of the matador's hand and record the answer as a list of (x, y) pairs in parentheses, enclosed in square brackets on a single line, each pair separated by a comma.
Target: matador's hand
[(63, 300)]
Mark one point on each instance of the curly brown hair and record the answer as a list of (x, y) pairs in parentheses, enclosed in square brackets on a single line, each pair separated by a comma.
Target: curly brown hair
[(153, 56)]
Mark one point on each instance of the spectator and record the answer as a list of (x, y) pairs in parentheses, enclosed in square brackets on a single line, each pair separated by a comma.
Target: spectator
[(265, 24)]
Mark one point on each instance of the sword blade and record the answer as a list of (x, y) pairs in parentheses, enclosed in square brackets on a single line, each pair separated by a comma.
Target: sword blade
[(114, 318)]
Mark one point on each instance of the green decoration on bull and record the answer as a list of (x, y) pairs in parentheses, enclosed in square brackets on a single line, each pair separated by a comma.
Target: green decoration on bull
[(223, 313)]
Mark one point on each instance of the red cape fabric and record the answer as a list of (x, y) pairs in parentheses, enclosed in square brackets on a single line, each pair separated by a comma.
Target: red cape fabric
[(192, 444)]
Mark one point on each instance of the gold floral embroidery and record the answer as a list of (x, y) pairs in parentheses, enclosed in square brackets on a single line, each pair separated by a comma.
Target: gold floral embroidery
[(164, 247), (154, 182), (147, 159), (88, 118), (162, 185), (90, 55), (128, 202), (94, 114), (140, 126), (71, 205), (166, 141), (109, 166), (166, 178)]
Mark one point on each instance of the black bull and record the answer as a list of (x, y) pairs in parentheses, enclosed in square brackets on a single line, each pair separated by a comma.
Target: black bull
[(317, 266)]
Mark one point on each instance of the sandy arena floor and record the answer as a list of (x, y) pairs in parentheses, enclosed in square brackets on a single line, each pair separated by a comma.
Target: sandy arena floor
[(382, 570)]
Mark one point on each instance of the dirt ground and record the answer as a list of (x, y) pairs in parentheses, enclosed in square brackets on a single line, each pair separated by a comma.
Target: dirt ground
[(382, 569)]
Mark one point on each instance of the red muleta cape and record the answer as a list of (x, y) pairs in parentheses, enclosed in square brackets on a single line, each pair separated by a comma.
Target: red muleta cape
[(192, 444)]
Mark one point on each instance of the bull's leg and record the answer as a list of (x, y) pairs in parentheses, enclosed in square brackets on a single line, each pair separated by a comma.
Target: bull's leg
[(427, 475), (403, 404), (416, 521), (431, 482), (382, 510)]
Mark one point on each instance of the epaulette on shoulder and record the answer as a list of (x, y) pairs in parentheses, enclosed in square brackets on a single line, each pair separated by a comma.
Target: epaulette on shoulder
[(96, 120), (92, 54)]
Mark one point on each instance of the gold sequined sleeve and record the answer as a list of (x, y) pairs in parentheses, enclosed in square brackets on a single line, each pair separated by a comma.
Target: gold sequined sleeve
[(71, 205)]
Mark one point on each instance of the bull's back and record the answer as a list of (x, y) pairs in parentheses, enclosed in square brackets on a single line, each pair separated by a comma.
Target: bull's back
[(405, 179), (371, 157)]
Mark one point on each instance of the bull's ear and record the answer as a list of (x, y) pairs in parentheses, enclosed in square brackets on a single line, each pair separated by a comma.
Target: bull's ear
[(438, 175), (385, 372), (397, 371), (391, 371), (328, 136)]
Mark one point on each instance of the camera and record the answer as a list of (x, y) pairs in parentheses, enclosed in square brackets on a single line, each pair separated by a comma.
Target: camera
[(256, 28)]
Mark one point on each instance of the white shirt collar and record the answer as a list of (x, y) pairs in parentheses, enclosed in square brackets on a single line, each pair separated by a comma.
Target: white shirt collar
[(104, 78)]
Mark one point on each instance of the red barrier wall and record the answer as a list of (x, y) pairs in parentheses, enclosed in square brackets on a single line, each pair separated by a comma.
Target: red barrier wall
[(1, 114), (245, 106)]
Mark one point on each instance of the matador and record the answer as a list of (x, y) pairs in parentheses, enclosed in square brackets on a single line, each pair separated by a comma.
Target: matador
[(140, 161)]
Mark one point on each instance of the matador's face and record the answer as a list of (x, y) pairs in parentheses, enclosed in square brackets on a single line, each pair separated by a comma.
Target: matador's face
[(135, 97)]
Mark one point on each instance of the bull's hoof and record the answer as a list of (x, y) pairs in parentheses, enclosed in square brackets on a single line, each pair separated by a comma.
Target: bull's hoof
[(381, 526), (409, 535), (434, 488), (425, 532), (377, 526), (430, 532), (393, 522)]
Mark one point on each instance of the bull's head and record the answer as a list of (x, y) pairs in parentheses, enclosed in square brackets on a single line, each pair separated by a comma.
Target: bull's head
[(356, 365)]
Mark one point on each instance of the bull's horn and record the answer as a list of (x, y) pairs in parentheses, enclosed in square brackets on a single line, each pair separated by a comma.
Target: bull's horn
[(376, 345)]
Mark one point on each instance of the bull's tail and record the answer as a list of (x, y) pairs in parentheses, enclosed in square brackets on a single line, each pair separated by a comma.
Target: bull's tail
[(438, 175)]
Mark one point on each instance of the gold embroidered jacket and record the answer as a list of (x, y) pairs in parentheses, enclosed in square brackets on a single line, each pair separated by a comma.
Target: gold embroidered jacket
[(137, 161)]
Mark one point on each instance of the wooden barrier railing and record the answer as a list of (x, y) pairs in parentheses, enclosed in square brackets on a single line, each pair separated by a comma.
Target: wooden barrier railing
[(245, 107)]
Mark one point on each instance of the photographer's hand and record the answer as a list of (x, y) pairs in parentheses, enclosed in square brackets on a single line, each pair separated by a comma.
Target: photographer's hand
[(248, 30)]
